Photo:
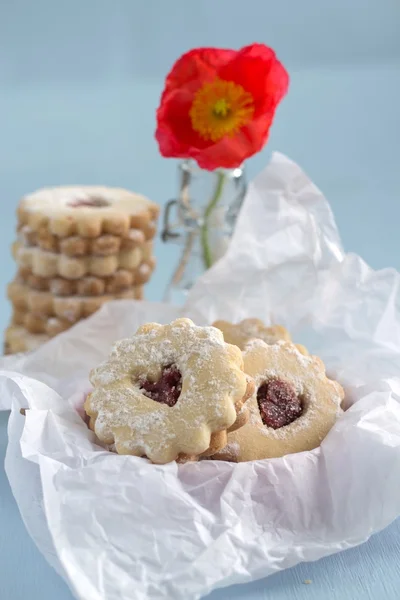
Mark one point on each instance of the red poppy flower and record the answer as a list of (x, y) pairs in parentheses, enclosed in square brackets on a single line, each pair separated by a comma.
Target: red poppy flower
[(218, 105)]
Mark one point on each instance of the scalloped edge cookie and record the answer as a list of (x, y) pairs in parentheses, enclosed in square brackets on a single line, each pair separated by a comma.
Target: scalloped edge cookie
[(214, 389), (89, 285), (49, 264), (39, 306), (87, 211), (75, 245), (320, 395)]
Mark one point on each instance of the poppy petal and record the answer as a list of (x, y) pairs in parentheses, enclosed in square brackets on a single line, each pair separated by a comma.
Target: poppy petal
[(175, 134), (197, 65), (265, 78), (231, 152), (255, 68)]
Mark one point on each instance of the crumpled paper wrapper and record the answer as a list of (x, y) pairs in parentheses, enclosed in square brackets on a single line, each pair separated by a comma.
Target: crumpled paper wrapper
[(117, 527)]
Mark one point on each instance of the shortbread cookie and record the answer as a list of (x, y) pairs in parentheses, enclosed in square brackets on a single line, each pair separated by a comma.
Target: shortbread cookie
[(39, 324), (17, 339), (49, 264), (168, 392), (86, 211), (241, 333), (294, 406), (42, 305), (74, 245), (90, 285)]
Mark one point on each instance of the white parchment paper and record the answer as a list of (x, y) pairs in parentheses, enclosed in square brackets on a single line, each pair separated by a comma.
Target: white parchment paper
[(117, 527)]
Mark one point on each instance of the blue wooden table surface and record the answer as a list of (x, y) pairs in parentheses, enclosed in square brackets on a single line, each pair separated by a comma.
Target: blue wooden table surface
[(340, 122)]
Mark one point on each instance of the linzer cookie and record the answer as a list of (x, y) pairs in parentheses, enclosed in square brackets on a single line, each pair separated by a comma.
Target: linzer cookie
[(17, 339), (169, 392), (294, 406), (34, 323), (50, 264), (70, 308), (240, 334), (74, 245), (89, 285), (86, 211), (39, 324)]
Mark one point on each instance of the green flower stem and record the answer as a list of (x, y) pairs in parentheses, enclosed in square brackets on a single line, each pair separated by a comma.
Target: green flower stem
[(205, 243)]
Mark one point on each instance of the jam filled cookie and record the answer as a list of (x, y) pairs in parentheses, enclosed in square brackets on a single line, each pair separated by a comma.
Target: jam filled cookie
[(38, 324), (89, 285), (50, 264), (71, 308), (294, 406), (169, 392), (87, 211), (74, 245), (241, 333)]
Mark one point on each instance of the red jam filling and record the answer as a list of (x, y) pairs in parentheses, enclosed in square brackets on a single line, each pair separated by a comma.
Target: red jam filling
[(91, 202), (278, 403), (167, 389)]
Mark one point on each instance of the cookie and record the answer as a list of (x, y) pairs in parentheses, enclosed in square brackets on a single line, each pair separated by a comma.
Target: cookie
[(169, 392), (40, 324), (241, 333), (86, 211), (50, 264), (89, 285), (144, 271), (294, 406), (39, 306), (17, 339), (74, 245)]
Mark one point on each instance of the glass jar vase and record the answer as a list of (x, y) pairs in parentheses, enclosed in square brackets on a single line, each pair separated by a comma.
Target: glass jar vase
[(206, 211)]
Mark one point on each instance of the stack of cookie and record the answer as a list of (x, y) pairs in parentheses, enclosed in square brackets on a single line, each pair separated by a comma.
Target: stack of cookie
[(77, 248)]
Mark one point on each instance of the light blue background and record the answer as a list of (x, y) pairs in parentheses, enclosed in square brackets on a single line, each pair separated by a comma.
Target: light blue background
[(79, 85)]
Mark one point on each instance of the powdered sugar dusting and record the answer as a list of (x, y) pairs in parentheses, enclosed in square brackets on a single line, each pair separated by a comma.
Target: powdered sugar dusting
[(211, 382), (305, 373), (53, 200)]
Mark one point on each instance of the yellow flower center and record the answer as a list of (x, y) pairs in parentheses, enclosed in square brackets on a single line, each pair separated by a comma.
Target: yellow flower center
[(220, 108)]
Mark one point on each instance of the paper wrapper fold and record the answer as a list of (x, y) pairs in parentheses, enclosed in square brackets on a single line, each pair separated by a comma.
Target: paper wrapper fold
[(117, 527)]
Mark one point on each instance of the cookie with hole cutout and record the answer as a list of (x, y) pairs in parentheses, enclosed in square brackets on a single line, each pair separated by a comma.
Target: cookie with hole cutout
[(89, 285), (293, 408), (86, 211), (170, 392), (39, 312), (75, 245), (50, 264)]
